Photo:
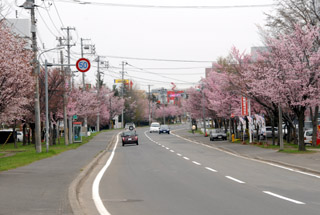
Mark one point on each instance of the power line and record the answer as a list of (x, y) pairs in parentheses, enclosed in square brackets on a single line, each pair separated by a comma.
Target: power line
[(54, 4), (145, 71), (165, 6), (157, 59)]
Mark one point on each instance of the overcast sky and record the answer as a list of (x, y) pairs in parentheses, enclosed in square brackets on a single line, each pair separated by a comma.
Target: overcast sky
[(197, 35)]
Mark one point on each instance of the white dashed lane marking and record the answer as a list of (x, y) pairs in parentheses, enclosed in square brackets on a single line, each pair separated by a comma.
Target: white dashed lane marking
[(236, 180), (284, 198)]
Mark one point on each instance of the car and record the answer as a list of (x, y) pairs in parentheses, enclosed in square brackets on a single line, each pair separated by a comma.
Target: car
[(19, 136), (130, 126), (129, 137), (218, 134), (269, 131), (164, 129), (154, 127), (308, 136)]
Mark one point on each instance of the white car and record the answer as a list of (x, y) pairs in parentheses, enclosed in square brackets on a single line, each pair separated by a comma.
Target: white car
[(308, 137), (155, 126), (19, 136)]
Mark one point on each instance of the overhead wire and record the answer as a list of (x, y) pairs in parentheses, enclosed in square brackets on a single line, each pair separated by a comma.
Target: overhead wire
[(158, 59), (87, 2), (145, 71)]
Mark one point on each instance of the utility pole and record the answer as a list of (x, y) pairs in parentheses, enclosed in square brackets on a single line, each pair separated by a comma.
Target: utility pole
[(149, 104), (122, 92), (30, 5), (98, 92), (65, 99), (203, 111), (71, 79), (84, 89)]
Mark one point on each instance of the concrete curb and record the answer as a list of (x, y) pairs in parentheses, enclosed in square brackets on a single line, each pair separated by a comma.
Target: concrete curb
[(75, 185), (299, 168)]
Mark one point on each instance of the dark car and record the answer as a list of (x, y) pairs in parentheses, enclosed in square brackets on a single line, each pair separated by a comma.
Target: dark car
[(164, 129), (129, 137), (218, 134)]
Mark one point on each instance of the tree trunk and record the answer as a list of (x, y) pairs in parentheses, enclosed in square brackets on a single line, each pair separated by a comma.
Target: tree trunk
[(24, 134), (272, 126), (314, 118), (14, 132), (301, 126)]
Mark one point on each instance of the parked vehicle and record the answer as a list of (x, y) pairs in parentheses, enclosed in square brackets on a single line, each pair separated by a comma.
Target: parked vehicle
[(155, 126), (269, 131), (164, 129), (19, 136), (308, 136), (218, 134), (129, 137)]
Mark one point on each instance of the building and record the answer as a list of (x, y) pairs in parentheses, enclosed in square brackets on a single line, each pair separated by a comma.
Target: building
[(22, 28)]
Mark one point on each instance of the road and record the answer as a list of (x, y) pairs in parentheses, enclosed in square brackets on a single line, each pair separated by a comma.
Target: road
[(166, 174)]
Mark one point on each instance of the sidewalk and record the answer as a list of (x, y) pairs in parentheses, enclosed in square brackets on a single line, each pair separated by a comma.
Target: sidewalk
[(304, 162), (42, 187)]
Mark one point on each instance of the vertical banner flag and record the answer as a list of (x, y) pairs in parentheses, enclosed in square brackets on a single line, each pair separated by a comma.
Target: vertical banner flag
[(244, 106)]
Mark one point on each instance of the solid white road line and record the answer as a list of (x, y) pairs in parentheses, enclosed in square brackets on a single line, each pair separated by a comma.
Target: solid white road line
[(195, 162), (95, 187), (284, 198), (234, 179), (210, 169)]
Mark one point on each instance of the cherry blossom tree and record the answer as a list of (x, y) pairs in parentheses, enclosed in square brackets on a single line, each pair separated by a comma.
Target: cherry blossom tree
[(291, 72), (16, 82)]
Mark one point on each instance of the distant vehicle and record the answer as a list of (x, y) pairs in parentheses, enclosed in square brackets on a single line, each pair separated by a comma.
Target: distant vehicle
[(218, 134), (269, 131), (130, 126), (164, 129), (129, 137), (155, 126), (19, 136), (308, 137)]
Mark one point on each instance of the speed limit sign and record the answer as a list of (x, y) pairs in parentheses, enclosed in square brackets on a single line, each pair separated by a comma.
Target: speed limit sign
[(83, 65)]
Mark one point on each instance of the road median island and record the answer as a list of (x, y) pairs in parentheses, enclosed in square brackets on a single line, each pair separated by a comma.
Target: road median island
[(75, 186)]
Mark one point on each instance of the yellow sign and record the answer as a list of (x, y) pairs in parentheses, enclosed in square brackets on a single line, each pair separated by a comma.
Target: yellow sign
[(117, 81)]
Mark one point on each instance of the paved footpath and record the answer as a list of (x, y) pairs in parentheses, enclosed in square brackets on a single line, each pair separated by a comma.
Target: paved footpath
[(309, 162), (41, 188)]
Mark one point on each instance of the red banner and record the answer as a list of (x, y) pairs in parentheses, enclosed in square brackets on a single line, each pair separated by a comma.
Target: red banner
[(244, 106), (318, 135)]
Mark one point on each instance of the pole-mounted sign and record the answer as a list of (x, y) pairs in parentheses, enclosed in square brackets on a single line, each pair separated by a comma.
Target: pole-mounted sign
[(83, 65)]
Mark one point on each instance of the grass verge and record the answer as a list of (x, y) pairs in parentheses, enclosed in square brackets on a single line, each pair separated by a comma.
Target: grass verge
[(11, 158), (288, 147)]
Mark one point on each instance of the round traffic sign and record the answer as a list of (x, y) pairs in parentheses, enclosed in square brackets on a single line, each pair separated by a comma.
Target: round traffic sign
[(83, 65)]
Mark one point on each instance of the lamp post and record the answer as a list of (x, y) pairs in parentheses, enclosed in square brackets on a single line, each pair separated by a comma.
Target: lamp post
[(46, 92)]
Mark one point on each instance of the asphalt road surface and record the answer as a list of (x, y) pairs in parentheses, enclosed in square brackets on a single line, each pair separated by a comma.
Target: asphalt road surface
[(166, 174)]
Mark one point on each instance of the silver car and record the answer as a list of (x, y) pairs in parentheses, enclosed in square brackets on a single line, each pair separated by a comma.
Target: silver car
[(218, 134)]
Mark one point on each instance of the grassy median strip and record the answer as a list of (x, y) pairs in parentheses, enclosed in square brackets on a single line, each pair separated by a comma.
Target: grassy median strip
[(11, 158)]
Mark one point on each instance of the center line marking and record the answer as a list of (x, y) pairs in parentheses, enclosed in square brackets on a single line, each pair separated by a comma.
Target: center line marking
[(179, 154), (210, 169), (234, 179), (186, 158), (171, 150), (284, 198), (195, 162)]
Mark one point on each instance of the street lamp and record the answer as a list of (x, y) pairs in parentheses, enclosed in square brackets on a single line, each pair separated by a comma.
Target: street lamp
[(46, 92)]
